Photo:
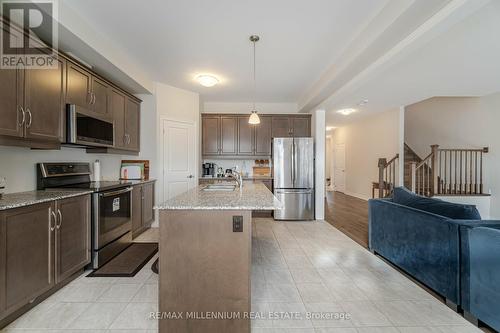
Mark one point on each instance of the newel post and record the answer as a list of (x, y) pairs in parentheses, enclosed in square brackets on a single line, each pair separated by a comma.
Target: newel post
[(434, 169), (382, 162), (413, 176)]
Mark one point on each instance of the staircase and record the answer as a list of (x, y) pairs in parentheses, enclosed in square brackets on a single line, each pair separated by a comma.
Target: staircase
[(442, 172)]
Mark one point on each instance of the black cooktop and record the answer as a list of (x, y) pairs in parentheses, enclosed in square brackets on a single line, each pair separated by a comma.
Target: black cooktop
[(100, 186)]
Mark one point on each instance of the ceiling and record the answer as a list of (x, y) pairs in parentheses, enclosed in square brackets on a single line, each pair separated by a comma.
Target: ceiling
[(459, 58), (176, 40)]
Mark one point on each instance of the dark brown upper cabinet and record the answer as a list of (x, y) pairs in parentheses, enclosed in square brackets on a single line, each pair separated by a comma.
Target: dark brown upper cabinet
[(210, 129), (118, 105), (12, 97), (100, 100), (44, 103), (301, 126), (232, 136), (132, 125), (78, 85), (291, 126), (32, 103), (126, 115), (281, 127), (229, 136), (246, 137), (263, 136)]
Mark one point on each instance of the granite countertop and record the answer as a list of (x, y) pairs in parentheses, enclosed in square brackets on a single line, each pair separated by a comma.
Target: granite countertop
[(253, 196), (139, 181), (15, 200), (232, 179)]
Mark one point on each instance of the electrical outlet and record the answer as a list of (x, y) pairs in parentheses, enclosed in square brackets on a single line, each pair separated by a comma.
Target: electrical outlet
[(237, 223)]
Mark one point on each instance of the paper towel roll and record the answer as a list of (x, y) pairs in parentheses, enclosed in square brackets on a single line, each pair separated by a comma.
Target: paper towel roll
[(97, 170)]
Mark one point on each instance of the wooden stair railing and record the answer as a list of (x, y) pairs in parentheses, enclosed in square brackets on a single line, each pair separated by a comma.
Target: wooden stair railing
[(387, 171), (449, 172)]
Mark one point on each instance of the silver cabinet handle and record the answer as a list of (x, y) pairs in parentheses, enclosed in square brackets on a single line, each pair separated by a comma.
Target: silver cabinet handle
[(30, 120), (20, 108), (89, 97), (108, 194), (93, 98), (55, 220), (58, 225), (124, 139)]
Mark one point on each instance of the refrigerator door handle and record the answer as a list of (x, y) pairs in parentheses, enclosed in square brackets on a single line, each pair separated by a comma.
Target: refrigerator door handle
[(293, 163)]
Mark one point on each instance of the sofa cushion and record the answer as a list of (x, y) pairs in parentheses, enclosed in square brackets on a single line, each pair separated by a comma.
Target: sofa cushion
[(451, 210)]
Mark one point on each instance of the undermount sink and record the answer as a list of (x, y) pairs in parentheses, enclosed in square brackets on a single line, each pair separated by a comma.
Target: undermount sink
[(216, 187)]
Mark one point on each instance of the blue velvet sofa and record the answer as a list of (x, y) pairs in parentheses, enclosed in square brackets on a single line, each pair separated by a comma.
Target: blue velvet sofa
[(481, 274), (423, 237)]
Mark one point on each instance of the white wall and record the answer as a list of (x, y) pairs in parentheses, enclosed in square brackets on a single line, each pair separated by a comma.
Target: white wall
[(459, 122), (367, 140), (17, 164), (225, 107)]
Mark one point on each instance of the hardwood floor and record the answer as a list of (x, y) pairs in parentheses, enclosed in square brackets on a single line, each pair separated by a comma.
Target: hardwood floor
[(349, 215)]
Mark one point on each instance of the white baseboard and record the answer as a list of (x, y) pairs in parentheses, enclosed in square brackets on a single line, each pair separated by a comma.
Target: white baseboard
[(357, 195)]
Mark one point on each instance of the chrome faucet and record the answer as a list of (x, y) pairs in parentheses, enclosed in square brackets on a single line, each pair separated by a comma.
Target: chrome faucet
[(237, 176)]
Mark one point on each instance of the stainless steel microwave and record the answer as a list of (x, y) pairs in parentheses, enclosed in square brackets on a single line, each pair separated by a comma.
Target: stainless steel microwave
[(86, 129)]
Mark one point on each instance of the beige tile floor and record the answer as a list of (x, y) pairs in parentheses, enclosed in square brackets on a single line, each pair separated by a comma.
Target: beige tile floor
[(298, 268)]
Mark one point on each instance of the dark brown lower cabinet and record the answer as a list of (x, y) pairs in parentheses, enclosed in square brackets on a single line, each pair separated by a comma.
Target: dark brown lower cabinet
[(142, 208), (40, 246), (72, 236)]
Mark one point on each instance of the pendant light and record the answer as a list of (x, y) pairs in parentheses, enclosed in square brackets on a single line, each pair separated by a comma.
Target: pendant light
[(254, 117)]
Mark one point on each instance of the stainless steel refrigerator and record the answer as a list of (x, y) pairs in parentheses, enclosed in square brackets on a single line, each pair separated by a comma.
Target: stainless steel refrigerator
[(293, 166)]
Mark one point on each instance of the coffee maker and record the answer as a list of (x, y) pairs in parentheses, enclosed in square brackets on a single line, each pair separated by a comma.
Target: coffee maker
[(208, 170)]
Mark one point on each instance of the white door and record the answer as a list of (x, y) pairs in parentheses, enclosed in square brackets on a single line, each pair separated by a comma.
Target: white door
[(339, 168), (179, 158)]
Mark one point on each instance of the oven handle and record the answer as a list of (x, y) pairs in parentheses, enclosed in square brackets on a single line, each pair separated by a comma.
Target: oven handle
[(108, 194)]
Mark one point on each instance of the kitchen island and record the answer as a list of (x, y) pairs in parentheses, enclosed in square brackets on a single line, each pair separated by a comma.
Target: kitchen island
[(205, 258)]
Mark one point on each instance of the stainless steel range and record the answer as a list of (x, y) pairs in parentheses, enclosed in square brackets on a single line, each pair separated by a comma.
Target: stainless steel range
[(111, 206)]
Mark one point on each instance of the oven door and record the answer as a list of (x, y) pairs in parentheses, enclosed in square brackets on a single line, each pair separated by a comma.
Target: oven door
[(112, 216)]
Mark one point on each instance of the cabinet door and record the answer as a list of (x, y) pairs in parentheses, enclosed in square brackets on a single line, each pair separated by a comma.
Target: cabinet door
[(72, 236), (136, 210), (281, 127), (210, 135), (118, 107), (147, 204), (44, 104), (263, 136), (100, 103), (26, 255), (132, 124), (246, 137), (78, 85), (12, 99), (301, 126), (229, 138)]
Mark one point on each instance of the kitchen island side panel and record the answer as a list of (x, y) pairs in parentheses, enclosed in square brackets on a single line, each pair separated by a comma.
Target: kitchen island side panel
[(204, 268)]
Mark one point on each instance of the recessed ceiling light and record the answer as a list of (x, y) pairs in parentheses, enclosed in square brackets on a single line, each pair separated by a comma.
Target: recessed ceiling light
[(346, 112), (207, 80), (363, 102), (329, 128)]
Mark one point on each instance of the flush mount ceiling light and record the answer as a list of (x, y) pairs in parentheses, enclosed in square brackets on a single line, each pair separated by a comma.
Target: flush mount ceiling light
[(207, 80), (346, 112), (254, 117)]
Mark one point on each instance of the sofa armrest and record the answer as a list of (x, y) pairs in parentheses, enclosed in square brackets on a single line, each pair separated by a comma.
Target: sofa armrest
[(481, 274)]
